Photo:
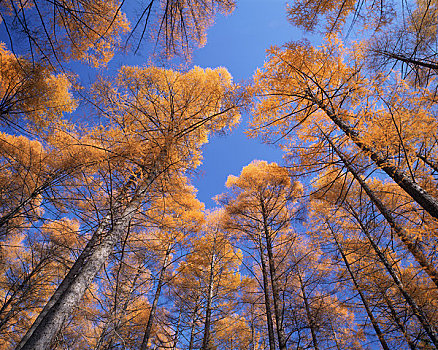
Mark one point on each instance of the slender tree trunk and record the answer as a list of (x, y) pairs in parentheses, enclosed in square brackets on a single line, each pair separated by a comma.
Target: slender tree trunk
[(19, 292), (147, 333), (373, 320), (192, 328), (278, 309), (271, 336), (335, 338), (418, 194), (116, 323), (422, 260), (90, 261), (398, 322), (430, 329), (176, 335), (430, 163), (309, 314), (409, 60), (207, 324)]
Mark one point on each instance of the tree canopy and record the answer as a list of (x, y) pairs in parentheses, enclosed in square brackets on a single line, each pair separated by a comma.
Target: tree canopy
[(104, 243)]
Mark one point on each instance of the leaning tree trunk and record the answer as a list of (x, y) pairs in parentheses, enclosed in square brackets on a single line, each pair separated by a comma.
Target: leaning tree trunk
[(418, 255), (417, 193), (398, 322), (278, 309), (9, 307), (373, 320), (147, 333), (90, 261), (430, 329)]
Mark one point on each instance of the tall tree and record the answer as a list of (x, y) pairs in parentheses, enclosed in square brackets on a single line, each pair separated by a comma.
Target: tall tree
[(158, 119), (258, 205)]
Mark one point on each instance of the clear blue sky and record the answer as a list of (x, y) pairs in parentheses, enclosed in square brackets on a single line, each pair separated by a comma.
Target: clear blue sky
[(239, 43)]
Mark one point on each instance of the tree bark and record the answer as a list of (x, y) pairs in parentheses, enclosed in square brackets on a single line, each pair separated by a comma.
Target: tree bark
[(147, 333), (278, 309), (309, 315), (207, 324), (418, 255), (398, 322), (417, 193), (192, 328), (373, 320), (430, 329), (271, 337), (83, 271)]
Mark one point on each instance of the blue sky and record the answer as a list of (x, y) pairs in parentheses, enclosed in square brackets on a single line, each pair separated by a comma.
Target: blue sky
[(239, 43)]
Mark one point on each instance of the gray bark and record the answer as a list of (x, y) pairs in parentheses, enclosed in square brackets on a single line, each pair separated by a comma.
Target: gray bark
[(278, 309), (73, 287), (430, 329), (271, 337), (147, 333), (418, 194), (207, 324)]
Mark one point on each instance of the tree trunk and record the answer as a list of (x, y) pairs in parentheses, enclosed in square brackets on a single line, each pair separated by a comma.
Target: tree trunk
[(147, 333), (192, 328), (271, 337), (418, 194), (430, 329), (90, 261), (278, 309), (422, 260), (115, 324), (430, 163), (373, 320), (19, 293), (398, 321), (207, 324), (309, 314)]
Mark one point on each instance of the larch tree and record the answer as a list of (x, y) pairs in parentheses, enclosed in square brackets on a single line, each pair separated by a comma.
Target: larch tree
[(157, 121), (259, 205), (210, 277)]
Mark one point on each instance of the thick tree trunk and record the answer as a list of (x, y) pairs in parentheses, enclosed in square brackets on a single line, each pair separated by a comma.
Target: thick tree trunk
[(278, 309), (430, 329), (147, 333), (269, 322), (373, 320), (418, 194), (90, 261)]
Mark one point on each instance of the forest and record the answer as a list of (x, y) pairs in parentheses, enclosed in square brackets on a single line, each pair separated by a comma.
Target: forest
[(104, 243)]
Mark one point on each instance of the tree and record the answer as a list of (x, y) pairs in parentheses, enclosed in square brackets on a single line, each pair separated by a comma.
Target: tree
[(156, 132), (258, 206), (210, 281)]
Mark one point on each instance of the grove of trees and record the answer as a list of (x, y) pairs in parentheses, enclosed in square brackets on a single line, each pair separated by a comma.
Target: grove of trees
[(103, 241)]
